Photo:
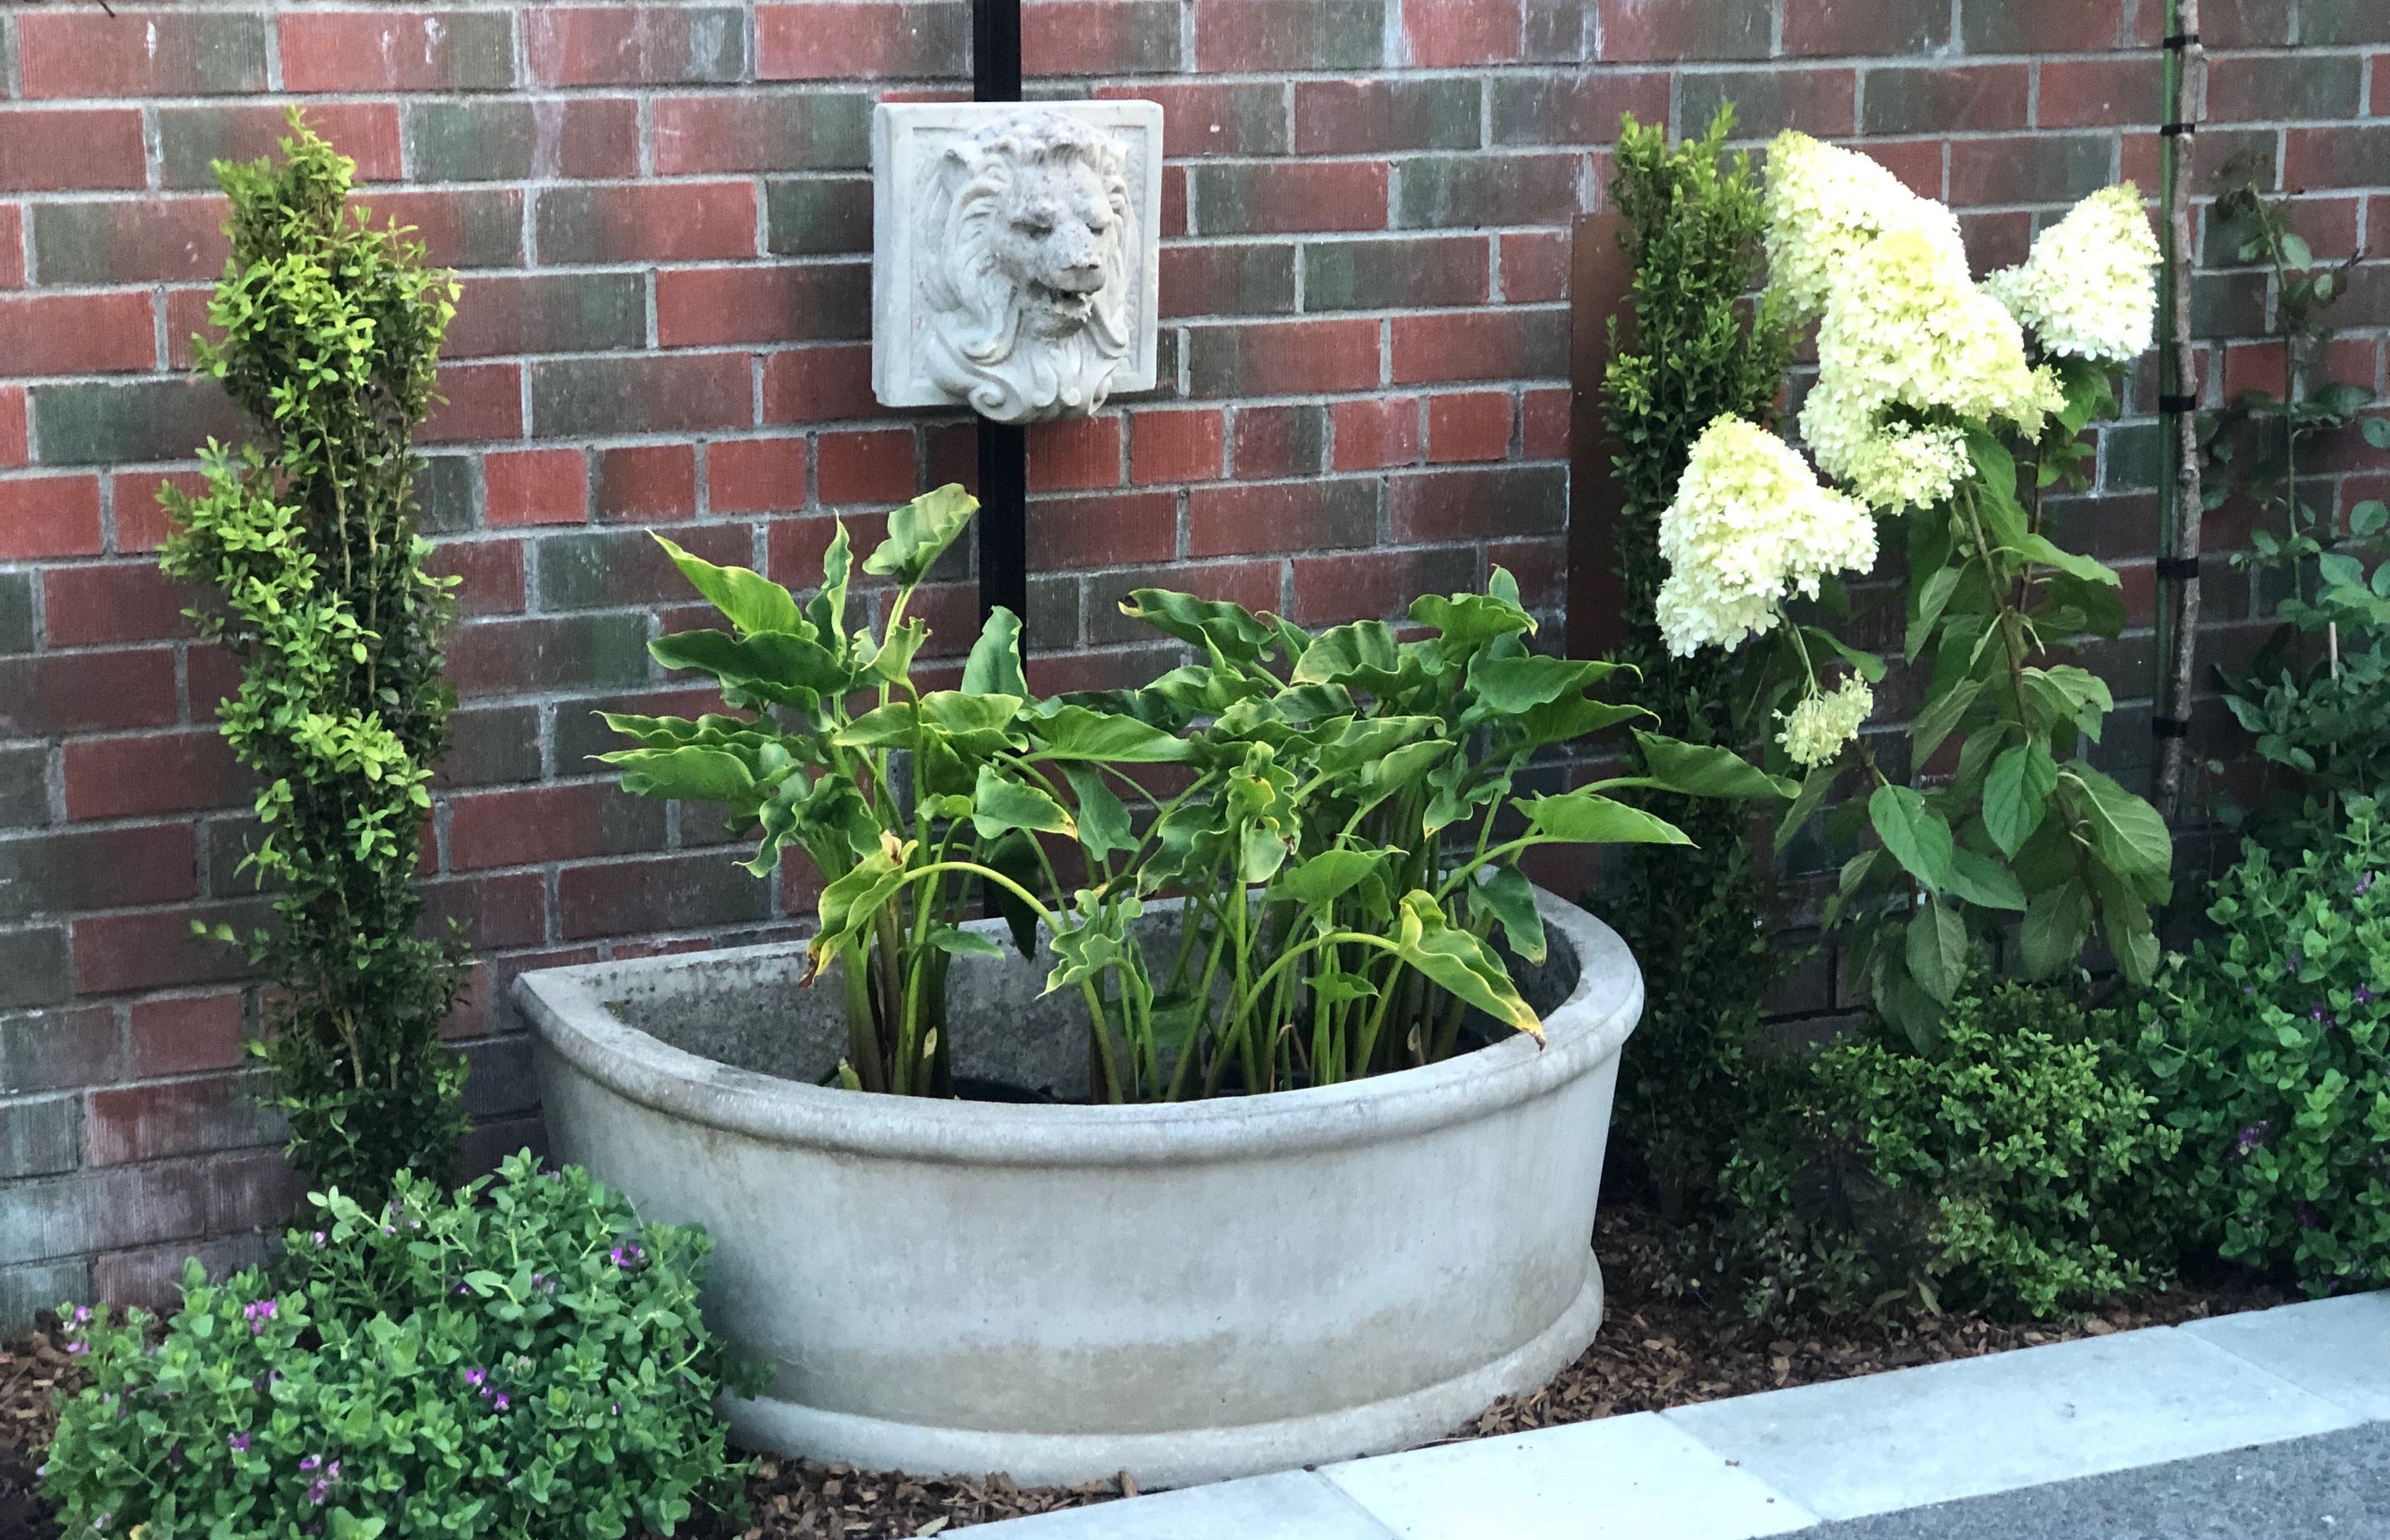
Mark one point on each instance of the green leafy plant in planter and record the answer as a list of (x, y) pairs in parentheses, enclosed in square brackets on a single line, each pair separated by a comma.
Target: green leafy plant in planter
[(1949, 410), (2272, 1046), (477, 1364), (308, 536), (1334, 835)]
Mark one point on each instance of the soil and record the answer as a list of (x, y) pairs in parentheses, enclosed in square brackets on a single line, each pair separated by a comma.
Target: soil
[(1655, 1351)]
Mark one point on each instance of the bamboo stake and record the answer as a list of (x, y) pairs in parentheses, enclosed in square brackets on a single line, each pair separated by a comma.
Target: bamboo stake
[(2186, 105)]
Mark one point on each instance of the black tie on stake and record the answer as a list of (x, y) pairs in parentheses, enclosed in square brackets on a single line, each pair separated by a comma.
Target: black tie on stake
[(1003, 446)]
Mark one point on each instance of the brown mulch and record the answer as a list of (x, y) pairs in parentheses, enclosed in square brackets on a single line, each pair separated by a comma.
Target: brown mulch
[(1656, 1350)]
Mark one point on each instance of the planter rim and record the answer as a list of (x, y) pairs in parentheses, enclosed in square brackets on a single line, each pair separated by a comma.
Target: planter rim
[(567, 1010)]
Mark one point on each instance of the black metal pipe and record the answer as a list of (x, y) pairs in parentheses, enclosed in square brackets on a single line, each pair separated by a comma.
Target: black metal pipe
[(1003, 447)]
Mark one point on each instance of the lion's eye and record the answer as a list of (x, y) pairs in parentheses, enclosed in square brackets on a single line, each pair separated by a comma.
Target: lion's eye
[(1034, 226)]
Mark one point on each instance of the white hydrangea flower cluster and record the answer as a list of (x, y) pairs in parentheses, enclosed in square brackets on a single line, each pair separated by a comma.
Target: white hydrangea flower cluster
[(1749, 522), (1907, 342), (2089, 287), (1815, 729)]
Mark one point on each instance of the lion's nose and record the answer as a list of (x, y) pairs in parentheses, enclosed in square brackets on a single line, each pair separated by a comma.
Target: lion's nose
[(1082, 277)]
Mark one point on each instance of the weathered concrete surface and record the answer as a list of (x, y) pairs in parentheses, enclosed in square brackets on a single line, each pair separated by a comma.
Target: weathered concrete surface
[(1186, 1293)]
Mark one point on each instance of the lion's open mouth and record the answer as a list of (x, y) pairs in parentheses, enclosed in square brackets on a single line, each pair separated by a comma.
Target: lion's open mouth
[(1065, 301)]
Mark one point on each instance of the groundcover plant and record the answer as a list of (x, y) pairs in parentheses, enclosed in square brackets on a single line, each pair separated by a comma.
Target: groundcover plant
[(1342, 813)]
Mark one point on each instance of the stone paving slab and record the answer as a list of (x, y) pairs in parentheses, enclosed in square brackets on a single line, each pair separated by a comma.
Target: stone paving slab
[(1623, 1478), (2009, 1419), (1296, 1505), (2338, 1349)]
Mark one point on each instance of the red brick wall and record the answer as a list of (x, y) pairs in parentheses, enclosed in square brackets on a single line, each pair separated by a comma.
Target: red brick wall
[(661, 216)]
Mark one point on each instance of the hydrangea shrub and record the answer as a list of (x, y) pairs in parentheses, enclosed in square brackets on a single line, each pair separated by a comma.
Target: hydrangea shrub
[(2271, 1044), (505, 1362)]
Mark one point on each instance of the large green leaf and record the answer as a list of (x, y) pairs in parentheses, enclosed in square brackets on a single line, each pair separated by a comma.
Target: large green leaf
[(1983, 881), (1237, 631), (1326, 877), (1504, 895), (2056, 923), (689, 774), (1936, 950), (1814, 790), (1941, 716), (1570, 718), (751, 601), (851, 899), (1917, 836), (993, 667), (972, 724), (1589, 818), (1104, 826), (1515, 684), (1000, 803), (1077, 733), (2132, 838), (784, 667), (1459, 963), (1363, 655), (826, 609), (919, 532), (1466, 622), (1707, 770), (2016, 793)]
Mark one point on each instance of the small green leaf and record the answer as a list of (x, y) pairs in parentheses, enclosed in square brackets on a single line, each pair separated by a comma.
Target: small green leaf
[(999, 804), (2056, 923), (1103, 819), (919, 532), (993, 667), (1326, 877), (2016, 793), (750, 600), (1504, 895), (1936, 951), (1917, 836), (1980, 881)]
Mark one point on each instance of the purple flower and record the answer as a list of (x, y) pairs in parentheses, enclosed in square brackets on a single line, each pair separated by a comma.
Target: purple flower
[(2365, 885), (81, 1315), (239, 1442), (2364, 996), (477, 1378), (318, 1490), (319, 1238), (2252, 1137), (78, 1347), (500, 1401), (627, 1254), (258, 1312), (2317, 1013), (310, 1462)]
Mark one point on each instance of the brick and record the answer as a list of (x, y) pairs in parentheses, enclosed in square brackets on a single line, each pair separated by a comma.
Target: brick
[(1580, 107), (1450, 33), (2047, 168), (2343, 157), (478, 402), (869, 466), (1179, 445), (35, 968), (247, 1189), (1288, 196), (491, 140), (2333, 23), (635, 44), (812, 130), (616, 567), (1544, 424), (1820, 102), (190, 138), (535, 825), (15, 611), (1282, 357), (2269, 87), (1710, 31), (154, 773), (1345, 117), (397, 50), (40, 1135), (1215, 117), (1469, 425), (1074, 453), (755, 476), (673, 893), (122, 602), (817, 216), (178, 1117), (861, 42), (24, 786), (647, 222), (1266, 442), (1254, 584), (50, 516), (489, 574), (88, 53), (1256, 35), (1534, 266), (1458, 505), (99, 1211), (1499, 344), (812, 301), (647, 483), (592, 650), (1348, 586), (34, 1287), (1370, 434), (2042, 26), (1844, 27), (1441, 190), (1966, 98), (53, 334), (150, 241), (1107, 37), (72, 149), (2246, 23), (1077, 533), (1284, 516), (57, 1049), (76, 692), (548, 312), (460, 227), (1395, 275), (2095, 92), (491, 745), (537, 486), (1228, 279), (818, 385), (12, 254), (76, 869), (672, 394), (156, 948)]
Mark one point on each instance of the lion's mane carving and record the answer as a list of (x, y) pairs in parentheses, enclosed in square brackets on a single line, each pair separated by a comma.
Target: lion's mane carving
[(1026, 236)]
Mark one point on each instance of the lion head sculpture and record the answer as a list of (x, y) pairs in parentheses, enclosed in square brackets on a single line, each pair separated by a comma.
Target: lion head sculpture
[(1024, 271)]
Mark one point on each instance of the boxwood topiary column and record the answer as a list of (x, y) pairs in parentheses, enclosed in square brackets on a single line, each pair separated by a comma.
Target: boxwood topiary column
[(331, 329)]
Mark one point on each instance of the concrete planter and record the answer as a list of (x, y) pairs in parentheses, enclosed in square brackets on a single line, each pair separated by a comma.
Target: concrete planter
[(1186, 1293)]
